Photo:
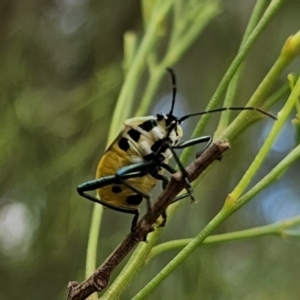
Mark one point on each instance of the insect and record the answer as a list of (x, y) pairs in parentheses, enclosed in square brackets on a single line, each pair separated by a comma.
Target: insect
[(135, 161)]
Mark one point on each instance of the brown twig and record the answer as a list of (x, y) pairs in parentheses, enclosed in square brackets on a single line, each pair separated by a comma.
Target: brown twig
[(99, 280)]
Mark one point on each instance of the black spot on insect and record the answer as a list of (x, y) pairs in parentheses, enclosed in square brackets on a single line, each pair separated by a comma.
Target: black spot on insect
[(148, 125), (116, 189), (134, 199), (159, 117), (123, 144), (135, 135)]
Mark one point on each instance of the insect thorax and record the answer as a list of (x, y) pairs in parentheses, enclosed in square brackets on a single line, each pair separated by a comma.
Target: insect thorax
[(146, 137)]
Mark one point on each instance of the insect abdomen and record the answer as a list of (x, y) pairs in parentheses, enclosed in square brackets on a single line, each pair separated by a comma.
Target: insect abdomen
[(118, 194)]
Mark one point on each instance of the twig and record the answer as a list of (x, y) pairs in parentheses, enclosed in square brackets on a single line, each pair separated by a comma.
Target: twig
[(100, 279)]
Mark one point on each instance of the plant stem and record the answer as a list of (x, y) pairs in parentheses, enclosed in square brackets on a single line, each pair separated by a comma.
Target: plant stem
[(122, 109), (183, 254), (128, 273), (271, 177), (91, 255), (278, 229), (231, 203), (177, 47), (231, 90), (266, 18), (290, 49), (282, 116)]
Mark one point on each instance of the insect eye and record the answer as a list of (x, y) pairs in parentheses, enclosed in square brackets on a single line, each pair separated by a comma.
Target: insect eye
[(159, 117)]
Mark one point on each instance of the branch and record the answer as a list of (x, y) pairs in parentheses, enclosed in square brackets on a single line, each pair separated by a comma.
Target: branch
[(100, 279)]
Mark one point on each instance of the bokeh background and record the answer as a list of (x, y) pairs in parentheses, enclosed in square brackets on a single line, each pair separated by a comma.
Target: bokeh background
[(60, 75)]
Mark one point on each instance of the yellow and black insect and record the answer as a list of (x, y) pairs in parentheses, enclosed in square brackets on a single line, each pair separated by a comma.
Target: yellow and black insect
[(135, 161)]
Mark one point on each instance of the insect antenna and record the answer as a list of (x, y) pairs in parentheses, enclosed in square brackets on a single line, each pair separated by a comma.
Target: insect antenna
[(228, 108), (174, 89)]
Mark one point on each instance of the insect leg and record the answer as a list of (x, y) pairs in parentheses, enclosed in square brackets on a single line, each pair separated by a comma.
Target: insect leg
[(141, 169), (194, 141), (179, 198), (184, 174), (165, 182), (107, 180), (104, 181), (164, 217), (93, 185), (101, 182), (172, 171), (125, 173), (164, 213), (164, 179), (168, 168)]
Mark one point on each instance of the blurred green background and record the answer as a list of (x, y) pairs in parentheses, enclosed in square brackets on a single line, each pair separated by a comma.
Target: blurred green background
[(61, 71)]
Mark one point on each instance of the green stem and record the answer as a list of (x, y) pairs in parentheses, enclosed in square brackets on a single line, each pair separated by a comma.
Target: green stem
[(278, 229), (122, 110), (266, 18), (175, 51), (282, 116), (243, 123), (289, 51), (91, 257), (279, 94), (188, 36), (260, 26), (274, 175), (224, 119), (283, 91), (156, 74), (231, 202), (130, 45), (183, 254), (135, 262)]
